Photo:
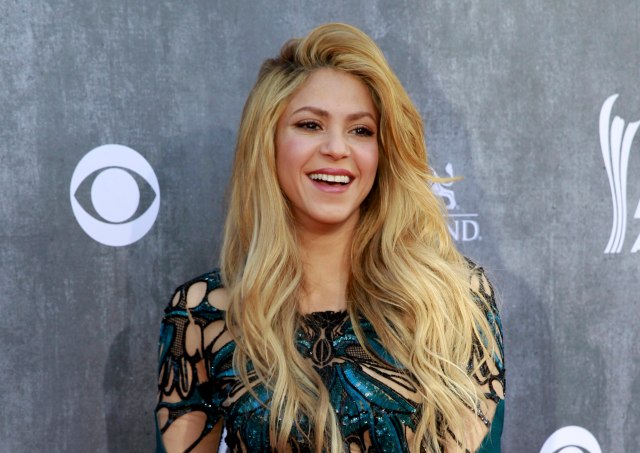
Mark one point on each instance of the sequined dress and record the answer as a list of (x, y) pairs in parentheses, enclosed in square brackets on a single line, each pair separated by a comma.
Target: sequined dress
[(372, 400)]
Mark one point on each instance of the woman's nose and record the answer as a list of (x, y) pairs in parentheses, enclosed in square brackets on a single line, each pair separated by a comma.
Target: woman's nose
[(336, 146)]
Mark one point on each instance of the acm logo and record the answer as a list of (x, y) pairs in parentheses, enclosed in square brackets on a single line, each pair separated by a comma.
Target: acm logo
[(463, 226), (615, 143)]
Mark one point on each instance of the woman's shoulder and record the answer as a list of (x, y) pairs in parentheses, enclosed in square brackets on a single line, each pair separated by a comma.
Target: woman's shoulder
[(194, 322), (480, 285), (211, 279), (204, 293)]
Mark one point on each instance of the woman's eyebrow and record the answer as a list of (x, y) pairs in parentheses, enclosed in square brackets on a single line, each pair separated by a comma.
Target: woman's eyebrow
[(323, 113), (315, 110)]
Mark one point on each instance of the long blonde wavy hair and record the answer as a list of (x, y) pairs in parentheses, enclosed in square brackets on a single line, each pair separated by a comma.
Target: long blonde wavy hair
[(407, 278)]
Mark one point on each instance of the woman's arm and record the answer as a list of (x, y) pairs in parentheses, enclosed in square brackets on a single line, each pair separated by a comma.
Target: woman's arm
[(186, 432), (185, 418), (485, 427)]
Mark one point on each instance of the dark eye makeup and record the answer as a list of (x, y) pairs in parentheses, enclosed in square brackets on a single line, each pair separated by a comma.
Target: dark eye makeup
[(363, 131), (310, 125), (307, 124)]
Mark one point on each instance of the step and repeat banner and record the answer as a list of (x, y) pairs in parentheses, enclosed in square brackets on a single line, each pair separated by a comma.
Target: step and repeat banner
[(117, 127)]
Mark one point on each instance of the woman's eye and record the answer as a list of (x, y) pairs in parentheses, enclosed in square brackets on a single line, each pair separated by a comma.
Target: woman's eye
[(364, 131), (309, 125)]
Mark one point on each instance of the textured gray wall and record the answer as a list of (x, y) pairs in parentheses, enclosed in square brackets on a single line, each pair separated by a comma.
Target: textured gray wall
[(510, 92)]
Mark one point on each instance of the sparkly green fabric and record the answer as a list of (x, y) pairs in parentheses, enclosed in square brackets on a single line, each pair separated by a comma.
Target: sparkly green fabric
[(491, 442)]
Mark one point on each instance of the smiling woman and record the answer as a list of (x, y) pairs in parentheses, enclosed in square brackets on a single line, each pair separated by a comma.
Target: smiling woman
[(342, 318)]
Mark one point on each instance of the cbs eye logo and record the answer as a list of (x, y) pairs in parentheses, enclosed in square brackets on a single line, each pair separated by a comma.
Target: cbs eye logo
[(571, 439), (115, 174)]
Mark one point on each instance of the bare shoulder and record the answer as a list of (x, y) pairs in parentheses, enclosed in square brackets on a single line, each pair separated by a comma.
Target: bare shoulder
[(219, 298), (205, 289)]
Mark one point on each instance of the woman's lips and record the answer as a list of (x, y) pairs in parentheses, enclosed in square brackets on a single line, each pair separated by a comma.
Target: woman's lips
[(331, 180)]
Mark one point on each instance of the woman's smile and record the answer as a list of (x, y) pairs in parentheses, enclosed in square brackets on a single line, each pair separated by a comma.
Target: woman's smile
[(332, 180)]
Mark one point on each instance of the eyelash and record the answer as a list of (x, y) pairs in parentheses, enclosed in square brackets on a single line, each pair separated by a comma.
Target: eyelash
[(314, 126), (309, 125), (364, 131)]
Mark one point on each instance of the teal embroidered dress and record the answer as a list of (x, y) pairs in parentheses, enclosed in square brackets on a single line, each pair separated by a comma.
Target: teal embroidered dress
[(371, 397)]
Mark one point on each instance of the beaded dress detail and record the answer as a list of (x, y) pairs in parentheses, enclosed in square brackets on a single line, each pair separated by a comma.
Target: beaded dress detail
[(372, 398)]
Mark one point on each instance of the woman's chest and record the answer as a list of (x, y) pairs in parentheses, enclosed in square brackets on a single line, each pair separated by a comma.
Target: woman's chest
[(371, 398)]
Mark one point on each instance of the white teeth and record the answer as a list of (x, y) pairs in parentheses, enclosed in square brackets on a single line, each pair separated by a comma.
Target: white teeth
[(342, 179)]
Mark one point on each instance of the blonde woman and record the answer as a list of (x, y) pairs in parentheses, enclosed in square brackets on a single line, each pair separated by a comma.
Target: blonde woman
[(343, 318)]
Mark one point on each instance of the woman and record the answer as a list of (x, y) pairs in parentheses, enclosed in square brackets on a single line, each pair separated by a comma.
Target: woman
[(343, 317)]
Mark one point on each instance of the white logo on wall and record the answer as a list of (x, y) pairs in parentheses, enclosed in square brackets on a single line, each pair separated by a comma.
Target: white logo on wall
[(115, 195), (571, 439), (615, 142), (463, 226)]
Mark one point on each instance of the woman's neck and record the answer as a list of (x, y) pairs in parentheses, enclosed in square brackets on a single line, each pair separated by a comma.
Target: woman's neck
[(327, 267)]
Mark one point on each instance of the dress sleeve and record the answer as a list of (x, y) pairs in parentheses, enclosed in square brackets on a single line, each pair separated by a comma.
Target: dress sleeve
[(490, 376), (186, 419)]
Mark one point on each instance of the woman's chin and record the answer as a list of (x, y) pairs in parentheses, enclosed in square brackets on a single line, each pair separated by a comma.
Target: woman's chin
[(327, 220)]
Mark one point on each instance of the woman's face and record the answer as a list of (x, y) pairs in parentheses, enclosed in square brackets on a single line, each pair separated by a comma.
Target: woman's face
[(327, 149)]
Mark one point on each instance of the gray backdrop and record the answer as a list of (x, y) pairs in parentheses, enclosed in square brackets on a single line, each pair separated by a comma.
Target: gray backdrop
[(511, 93)]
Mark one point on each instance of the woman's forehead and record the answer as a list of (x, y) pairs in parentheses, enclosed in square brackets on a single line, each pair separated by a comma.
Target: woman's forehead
[(331, 90)]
